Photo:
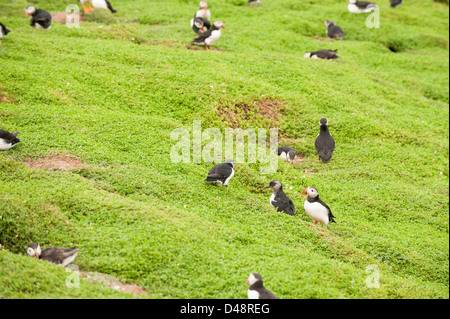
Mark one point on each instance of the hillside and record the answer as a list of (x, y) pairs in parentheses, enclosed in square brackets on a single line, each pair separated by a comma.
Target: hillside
[(96, 106)]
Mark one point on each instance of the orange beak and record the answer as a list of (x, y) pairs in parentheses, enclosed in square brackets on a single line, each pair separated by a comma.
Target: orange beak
[(304, 192), (27, 14), (37, 256), (247, 282), (223, 26)]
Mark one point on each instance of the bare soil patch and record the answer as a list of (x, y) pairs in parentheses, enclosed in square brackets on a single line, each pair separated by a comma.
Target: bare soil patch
[(61, 17), (201, 48), (112, 282), (7, 99), (63, 162)]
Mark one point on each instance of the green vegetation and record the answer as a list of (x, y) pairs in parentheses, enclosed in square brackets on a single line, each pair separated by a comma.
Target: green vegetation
[(111, 92)]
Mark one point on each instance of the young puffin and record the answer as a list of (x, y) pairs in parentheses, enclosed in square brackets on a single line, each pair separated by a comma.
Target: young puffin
[(200, 25), (287, 154), (203, 11), (8, 140), (324, 143), (322, 54), (315, 208), (3, 32), (55, 255), (254, 3), (207, 38), (221, 174), (97, 4), (279, 200), (256, 289), (334, 31), (396, 3), (40, 19), (355, 6)]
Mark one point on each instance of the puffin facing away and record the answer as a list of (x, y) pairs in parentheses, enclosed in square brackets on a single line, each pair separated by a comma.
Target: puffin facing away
[(254, 3), (200, 25), (396, 3), (40, 19), (203, 11), (3, 32), (315, 208), (324, 143), (287, 154), (322, 54), (8, 140), (207, 38), (54, 255), (221, 174), (256, 289), (355, 6), (334, 31), (97, 4), (279, 200)]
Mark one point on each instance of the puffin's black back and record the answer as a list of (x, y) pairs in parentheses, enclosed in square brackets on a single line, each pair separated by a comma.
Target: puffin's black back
[(4, 29), (9, 137)]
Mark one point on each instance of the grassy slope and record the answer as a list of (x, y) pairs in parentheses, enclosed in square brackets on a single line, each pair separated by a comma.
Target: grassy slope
[(95, 93)]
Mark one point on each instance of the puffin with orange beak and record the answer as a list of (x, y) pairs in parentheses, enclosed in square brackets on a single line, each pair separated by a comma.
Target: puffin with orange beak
[(96, 4), (203, 11), (256, 290), (40, 19), (54, 255), (207, 38), (315, 208), (355, 6)]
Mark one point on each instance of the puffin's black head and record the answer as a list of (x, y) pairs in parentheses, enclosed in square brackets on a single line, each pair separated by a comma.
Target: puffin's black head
[(3, 29), (198, 22), (275, 185), (323, 121), (34, 250), (14, 139), (329, 23)]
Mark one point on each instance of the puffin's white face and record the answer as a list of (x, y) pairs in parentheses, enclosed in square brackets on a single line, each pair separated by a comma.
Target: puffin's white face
[(34, 252), (251, 279), (203, 5), (307, 55), (30, 10), (352, 1), (198, 24), (311, 192), (219, 24)]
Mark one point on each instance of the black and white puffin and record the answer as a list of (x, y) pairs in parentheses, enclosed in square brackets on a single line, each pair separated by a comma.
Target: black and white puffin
[(97, 4), (279, 200), (203, 11), (256, 289), (54, 255), (8, 140), (334, 31), (322, 54), (210, 36), (396, 3), (287, 154), (200, 25), (315, 208), (253, 3), (324, 142), (355, 6), (40, 19), (221, 174), (3, 32)]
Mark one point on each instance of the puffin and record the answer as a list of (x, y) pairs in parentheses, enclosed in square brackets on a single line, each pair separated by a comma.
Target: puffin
[(324, 142), (279, 200), (315, 208), (200, 25), (3, 32), (287, 154), (396, 3), (54, 255), (210, 36), (97, 4), (253, 3), (8, 140), (40, 19), (221, 174), (355, 6), (256, 290), (203, 11), (322, 54), (334, 31)]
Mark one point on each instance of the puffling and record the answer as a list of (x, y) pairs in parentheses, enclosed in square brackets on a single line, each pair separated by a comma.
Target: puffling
[(324, 142), (221, 174)]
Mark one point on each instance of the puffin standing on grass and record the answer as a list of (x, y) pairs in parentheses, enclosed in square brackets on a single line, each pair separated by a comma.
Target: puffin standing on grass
[(324, 143), (40, 19), (200, 25), (396, 3), (3, 32), (207, 38), (97, 4), (287, 154), (221, 174), (279, 200), (256, 289), (315, 208), (203, 11), (322, 54), (334, 31), (355, 6), (8, 140), (54, 255), (253, 3)]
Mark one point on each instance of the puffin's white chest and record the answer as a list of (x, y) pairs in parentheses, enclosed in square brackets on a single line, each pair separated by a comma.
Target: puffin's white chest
[(99, 4), (229, 177), (215, 35), (284, 156), (252, 294), (272, 198), (354, 9), (5, 146), (317, 211), (1, 33), (202, 13)]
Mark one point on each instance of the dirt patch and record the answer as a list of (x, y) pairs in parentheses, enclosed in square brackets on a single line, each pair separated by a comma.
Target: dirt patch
[(112, 282), (201, 48), (7, 99), (63, 162), (266, 112), (61, 17), (320, 39)]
